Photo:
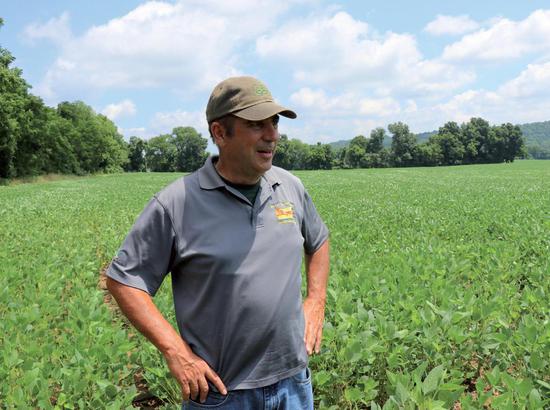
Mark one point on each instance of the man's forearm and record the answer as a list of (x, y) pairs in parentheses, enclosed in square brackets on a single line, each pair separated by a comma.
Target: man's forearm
[(140, 310), (191, 371), (317, 270)]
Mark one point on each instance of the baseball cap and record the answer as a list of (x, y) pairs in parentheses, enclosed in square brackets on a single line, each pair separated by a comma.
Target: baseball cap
[(245, 97)]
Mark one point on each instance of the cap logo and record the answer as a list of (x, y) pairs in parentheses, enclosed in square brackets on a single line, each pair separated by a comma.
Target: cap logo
[(261, 90)]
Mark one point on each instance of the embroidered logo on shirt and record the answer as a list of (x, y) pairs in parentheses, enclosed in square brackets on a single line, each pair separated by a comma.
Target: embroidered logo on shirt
[(284, 212)]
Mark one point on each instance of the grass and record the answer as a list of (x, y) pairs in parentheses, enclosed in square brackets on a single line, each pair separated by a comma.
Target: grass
[(439, 290)]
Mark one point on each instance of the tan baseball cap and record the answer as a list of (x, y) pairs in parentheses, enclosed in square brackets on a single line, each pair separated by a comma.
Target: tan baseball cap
[(244, 97)]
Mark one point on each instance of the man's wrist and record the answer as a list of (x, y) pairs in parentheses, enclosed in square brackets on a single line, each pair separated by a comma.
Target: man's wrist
[(178, 348), (318, 297)]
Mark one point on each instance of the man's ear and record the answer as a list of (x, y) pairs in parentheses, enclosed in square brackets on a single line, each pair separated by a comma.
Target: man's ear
[(218, 132)]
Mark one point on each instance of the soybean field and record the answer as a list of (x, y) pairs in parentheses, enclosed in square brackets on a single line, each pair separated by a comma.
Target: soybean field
[(439, 294)]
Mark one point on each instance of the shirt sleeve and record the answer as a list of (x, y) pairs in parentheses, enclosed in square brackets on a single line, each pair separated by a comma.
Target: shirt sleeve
[(146, 254), (314, 230)]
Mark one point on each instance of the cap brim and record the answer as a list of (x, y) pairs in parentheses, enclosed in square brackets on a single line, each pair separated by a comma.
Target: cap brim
[(264, 110)]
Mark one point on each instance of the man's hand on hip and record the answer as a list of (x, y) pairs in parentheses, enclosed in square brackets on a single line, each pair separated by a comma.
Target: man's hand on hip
[(193, 373), (314, 314)]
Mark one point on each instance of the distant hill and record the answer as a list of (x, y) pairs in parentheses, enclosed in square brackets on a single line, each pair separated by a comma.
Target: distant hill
[(425, 136), (339, 144), (344, 143), (535, 133)]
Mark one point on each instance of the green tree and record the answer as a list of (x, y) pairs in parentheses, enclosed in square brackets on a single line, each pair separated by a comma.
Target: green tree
[(450, 146), (97, 144), (281, 157), (476, 140), (33, 138), (355, 152), (13, 100), (43, 145), (114, 155), (291, 154), (136, 155), (375, 143), (360, 141), (59, 151), (190, 149), (450, 127), (354, 156), (319, 156), (161, 154), (428, 154), (402, 145), (298, 152), (509, 143), (539, 151), (339, 157)]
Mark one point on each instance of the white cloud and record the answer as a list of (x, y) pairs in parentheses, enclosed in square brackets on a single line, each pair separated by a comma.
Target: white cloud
[(56, 30), (317, 102), (164, 122), (505, 39), (124, 108), (411, 107), (379, 107), (452, 25), (340, 51), (525, 98), (187, 46), (533, 82), (133, 132)]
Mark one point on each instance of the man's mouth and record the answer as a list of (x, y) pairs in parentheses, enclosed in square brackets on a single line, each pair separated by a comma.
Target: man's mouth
[(265, 153)]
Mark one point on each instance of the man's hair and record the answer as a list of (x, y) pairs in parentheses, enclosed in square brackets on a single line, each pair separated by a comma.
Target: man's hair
[(227, 122)]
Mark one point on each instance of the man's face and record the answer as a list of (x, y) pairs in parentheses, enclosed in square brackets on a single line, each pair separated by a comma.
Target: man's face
[(249, 151)]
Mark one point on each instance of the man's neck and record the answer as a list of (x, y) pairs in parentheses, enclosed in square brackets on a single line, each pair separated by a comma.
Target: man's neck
[(234, 176)]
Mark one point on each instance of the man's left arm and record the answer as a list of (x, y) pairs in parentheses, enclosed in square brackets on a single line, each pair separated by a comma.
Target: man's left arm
[(317, 269)]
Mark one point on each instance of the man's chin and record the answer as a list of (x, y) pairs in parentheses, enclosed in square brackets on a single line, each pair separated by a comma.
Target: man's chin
[(265, 166)]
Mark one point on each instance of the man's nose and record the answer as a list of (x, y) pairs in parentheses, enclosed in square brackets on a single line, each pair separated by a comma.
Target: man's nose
[(271, 132)]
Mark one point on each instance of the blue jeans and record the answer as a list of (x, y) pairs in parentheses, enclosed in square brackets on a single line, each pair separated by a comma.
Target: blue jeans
[(292, 393)]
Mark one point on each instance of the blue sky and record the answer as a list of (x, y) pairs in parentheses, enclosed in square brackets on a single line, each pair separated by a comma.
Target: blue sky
[(345, 67)]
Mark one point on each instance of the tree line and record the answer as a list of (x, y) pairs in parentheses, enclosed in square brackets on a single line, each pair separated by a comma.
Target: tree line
[(474, 142), (73, 139), (184, 150)]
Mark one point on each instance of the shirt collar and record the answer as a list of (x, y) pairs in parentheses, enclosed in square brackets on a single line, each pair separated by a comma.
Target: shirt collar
[(210, 179)]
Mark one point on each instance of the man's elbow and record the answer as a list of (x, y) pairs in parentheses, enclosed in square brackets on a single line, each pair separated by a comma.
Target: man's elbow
[(113, 286)]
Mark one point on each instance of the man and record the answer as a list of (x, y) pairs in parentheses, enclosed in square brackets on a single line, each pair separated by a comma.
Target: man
[(232, 235)]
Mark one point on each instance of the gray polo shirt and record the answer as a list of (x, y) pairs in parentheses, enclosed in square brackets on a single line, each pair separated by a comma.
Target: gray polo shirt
[(235, 270)]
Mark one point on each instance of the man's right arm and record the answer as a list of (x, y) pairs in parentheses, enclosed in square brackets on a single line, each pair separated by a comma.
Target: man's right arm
[(190, 370)]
